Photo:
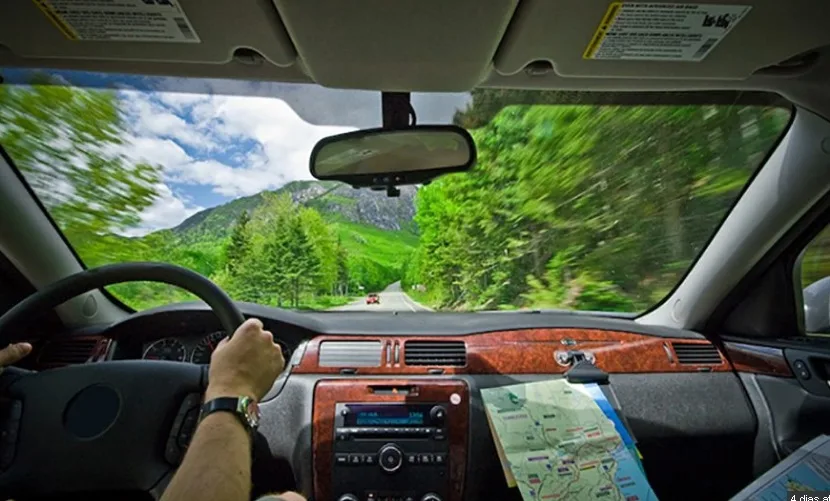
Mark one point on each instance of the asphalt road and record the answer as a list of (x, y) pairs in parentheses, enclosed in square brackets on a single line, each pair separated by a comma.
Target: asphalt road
[(391, 299)]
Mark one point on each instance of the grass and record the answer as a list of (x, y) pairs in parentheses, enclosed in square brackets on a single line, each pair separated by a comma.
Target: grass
[(424, 298), (325, 302), (387, 247)]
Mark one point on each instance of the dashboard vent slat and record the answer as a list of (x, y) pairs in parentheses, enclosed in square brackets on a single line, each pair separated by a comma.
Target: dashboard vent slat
[(695, 353), (350, 354), (68, 351), (435, 353)]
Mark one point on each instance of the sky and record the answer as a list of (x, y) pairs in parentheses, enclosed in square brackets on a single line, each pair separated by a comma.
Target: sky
[(217, 140)]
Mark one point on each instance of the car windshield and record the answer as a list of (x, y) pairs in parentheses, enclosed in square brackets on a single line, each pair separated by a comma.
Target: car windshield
[(570, 206)]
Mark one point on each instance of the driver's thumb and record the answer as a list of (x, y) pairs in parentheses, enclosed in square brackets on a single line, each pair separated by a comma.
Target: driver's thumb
[(13, 353)]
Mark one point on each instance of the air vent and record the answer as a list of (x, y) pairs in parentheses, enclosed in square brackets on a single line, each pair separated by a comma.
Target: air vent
[(696, 353), (68, 351), (350, 354), (435, 353)]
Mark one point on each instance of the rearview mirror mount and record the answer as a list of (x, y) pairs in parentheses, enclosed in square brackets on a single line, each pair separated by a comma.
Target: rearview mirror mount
[(383, 159)]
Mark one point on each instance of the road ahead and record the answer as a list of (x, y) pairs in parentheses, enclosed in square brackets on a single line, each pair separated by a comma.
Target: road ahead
[(391, 299)]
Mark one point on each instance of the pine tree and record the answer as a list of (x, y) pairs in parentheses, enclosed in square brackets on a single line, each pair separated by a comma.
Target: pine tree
[(238, 245)]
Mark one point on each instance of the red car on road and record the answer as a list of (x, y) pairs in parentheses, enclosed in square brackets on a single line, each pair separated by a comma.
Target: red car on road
[(373, 299)]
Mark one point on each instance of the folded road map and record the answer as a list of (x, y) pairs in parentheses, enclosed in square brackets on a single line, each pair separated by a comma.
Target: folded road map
[(805, 470), (560, 440)]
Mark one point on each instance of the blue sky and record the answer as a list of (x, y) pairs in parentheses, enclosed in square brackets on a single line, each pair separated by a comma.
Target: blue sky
[(217, 140)]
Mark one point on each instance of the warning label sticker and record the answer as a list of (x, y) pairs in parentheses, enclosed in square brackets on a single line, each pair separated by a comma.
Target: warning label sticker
[(662, 31), (120, 20)]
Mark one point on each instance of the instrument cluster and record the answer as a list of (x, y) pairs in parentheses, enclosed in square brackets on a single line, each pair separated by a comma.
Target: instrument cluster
[(196, 350)]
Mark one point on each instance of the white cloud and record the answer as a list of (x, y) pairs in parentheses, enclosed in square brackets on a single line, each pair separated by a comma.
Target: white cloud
[(282, 140), (150, 119), (166, 211)]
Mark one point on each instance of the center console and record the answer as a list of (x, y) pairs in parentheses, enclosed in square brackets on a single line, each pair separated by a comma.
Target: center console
[(379, 440)]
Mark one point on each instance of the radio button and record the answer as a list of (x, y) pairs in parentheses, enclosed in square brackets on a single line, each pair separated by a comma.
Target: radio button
[(370, 459), (390, 458), (440, 459), (425, 458), (355, 459), (438, 414), (411, 459), (341, 459), (439, 434)]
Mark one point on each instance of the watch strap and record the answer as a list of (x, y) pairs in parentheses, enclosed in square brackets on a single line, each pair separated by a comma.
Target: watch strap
[(235, 405)]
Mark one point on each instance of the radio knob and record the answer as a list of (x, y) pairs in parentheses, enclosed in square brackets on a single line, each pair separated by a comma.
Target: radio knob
[(348, 497), (437, 415), (390, 458), (431, 497)]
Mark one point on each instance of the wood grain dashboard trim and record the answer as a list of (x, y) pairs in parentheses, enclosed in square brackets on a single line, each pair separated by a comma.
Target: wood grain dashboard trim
[(757, 359), (328, 392), (529, 351)]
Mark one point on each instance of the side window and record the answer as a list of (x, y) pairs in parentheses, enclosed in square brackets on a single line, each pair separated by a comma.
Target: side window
[(815, 280)]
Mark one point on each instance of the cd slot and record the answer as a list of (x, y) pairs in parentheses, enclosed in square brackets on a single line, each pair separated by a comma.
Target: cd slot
[(386, 433)]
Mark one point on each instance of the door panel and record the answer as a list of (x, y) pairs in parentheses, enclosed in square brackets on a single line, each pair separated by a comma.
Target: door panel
[(797, 416), (787, 385)]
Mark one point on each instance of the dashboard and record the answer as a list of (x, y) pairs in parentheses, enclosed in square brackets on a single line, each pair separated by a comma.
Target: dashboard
[(384, 405)]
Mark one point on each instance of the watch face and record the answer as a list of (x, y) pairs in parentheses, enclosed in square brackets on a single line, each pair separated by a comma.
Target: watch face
[(252, 412)]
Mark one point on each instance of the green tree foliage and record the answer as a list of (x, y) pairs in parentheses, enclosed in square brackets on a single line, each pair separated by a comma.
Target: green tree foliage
[(815, 263), (289, 252), (69, 142), (585, 207), (238, 244)]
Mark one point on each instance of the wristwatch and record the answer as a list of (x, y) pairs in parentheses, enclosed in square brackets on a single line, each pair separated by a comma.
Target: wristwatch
[(244, 408)]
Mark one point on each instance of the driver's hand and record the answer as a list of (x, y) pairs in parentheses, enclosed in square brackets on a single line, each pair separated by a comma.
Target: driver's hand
[(13, 353), (245, 365)]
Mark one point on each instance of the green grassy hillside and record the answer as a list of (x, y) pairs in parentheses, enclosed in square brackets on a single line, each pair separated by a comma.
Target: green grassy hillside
[(376, 257)]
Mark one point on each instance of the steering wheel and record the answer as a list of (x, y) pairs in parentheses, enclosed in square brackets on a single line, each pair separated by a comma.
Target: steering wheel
[(114, 426)]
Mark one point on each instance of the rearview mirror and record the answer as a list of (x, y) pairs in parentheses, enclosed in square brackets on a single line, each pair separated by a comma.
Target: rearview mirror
[(380, 158)]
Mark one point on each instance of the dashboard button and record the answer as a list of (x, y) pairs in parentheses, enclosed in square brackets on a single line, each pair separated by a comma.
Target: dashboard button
[(411, 459), (390, 458), (341, 459), (370, 459), (425, 458), (355, 459), (801, 369), (439, 434), (440, 459), (437, 415)]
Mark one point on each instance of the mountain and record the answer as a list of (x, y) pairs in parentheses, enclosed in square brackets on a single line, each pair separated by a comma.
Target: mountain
[(336, 201)]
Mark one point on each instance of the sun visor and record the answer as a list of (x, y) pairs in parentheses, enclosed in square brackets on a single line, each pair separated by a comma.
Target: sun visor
[(397, 45), (660, 40), (181, 31)]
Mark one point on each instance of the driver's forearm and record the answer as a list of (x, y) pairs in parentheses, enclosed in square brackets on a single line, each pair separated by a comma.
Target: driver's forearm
[(217, 465)]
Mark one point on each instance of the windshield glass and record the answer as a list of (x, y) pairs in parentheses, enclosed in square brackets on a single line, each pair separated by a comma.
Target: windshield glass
[(580, 206)]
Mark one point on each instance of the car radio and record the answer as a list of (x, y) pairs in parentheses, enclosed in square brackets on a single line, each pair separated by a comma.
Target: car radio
[(390, 451)]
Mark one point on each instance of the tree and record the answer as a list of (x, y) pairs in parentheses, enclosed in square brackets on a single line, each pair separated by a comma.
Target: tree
[(70, 144), (239, 243), (582, 206)]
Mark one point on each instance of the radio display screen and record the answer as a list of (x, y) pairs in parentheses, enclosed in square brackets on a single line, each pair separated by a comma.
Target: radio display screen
[(386, 415)]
